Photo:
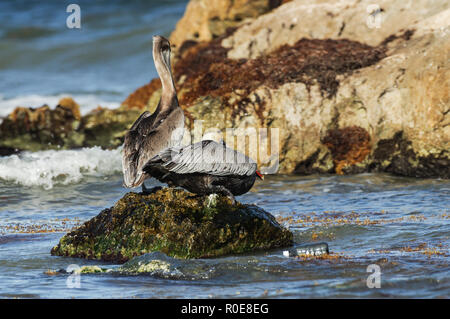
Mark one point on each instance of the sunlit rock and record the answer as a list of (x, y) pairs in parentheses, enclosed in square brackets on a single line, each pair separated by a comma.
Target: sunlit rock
[(63, 127)]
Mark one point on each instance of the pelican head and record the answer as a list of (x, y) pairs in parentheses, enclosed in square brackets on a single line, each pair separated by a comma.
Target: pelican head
[(161, 53)]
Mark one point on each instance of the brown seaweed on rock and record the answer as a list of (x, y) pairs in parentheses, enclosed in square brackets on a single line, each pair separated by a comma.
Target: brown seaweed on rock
[(204, 69), (349, 145), (139, 98)]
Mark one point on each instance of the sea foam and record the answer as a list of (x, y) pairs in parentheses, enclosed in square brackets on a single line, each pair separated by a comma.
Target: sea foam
[(50, 168)]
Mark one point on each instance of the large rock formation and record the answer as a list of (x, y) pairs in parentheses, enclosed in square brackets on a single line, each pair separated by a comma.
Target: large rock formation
[(207, 19), (352, 87), (369, 22), (175, 223)]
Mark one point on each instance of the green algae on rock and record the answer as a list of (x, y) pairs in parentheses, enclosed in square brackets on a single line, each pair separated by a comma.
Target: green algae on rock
[(175, 223), (39, 128), (156, 264), (160, 265), (43, 128), (106, 127)]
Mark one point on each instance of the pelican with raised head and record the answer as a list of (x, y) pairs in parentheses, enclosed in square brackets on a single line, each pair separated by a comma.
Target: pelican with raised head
[(153, 133)]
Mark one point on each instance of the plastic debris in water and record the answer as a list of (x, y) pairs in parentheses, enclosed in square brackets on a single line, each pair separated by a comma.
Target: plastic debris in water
[(318, 249)]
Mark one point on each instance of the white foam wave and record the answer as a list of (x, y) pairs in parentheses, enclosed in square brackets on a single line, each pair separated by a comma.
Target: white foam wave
[(87, 102), (49, 168)]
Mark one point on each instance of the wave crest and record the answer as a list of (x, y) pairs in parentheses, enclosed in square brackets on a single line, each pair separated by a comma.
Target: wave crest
[(49, 168)]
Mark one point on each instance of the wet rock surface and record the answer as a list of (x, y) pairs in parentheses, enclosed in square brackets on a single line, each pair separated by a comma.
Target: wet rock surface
[(172, 222), (160, 265), (6, 151), (63, 127), (155, 264), (40, 128)]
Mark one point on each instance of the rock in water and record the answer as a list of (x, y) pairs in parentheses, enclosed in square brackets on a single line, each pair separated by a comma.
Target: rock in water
[(160, 265), (174, 222), (42, 128)]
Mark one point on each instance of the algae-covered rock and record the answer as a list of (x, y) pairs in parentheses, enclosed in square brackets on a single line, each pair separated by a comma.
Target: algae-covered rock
[(366, 90), (106, 127), (63, 127), (160, 265), (39, 128), (174, 222)]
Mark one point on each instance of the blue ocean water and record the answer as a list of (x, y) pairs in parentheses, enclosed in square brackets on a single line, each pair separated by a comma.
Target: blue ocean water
[(401, 224), (41, 59)]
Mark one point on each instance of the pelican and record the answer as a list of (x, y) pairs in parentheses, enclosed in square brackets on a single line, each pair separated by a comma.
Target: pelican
[(206, 167), (152, 133)]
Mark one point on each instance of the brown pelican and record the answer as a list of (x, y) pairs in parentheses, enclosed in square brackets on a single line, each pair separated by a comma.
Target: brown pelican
[(205, 167), (152, 133)]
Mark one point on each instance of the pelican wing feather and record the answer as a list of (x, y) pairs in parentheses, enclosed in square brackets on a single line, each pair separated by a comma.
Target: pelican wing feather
[(207, 157)]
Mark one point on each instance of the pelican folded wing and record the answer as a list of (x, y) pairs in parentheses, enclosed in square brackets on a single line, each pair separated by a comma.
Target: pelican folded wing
[(208, 157)]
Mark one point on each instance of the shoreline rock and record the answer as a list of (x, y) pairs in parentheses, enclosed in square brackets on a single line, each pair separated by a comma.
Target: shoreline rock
[(347, 98), (43, 128), (205, 20), (172, 222)]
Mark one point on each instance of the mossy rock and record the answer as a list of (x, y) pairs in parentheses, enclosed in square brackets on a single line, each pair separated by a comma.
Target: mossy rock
[(106, 127), (176, 223), (34, 129)]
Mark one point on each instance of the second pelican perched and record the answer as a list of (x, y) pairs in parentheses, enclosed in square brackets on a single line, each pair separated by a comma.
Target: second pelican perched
[(152, 133), (206, 167)]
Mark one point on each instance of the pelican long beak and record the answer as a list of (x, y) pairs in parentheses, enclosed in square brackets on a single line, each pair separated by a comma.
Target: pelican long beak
[(162, 49), (261, 176), (166, 57)]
